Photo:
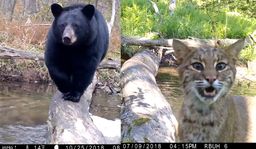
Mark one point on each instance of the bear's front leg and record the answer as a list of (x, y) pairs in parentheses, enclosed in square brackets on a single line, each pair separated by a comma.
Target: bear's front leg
[(73, 96), (61, 79), (80, 81)]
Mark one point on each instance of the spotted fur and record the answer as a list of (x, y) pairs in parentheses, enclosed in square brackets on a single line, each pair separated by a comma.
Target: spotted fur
[(207, 74)]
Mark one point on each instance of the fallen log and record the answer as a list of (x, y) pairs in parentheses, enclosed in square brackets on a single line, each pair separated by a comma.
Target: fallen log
[(110, 64), (191, 42), (7, 53), (70, 123), (10, 53), (145, 42), (146, 116)]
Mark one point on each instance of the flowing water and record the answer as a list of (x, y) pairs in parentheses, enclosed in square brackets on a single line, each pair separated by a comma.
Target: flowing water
[(24, 107), (24, 111)]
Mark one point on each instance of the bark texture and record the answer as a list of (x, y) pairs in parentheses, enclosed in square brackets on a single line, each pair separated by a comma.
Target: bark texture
[(146, 115), (70, 123)]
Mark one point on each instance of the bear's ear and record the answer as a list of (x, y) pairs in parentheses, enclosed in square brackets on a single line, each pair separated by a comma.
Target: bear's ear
[(56, 9), (88, 11)]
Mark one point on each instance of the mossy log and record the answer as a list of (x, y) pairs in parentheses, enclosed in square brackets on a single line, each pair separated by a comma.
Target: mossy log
[(146, 115), (70, 123)]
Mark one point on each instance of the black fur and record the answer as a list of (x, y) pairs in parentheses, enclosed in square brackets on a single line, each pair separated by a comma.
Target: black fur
[(72, 65)]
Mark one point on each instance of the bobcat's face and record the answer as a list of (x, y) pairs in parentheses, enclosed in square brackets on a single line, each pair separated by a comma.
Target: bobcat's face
[(207, 73)]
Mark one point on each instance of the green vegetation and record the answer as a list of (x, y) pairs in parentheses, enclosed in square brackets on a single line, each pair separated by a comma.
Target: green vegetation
[(245, 87), (248, 54), (192, 18)]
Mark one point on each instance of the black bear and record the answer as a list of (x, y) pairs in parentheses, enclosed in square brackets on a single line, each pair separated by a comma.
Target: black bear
[(77, 42)]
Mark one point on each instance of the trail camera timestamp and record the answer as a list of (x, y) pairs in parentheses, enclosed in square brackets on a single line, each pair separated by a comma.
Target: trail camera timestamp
[(183, 146)]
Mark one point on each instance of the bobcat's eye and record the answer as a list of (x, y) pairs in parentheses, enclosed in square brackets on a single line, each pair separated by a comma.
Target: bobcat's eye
[(198, 66), (220, 66)]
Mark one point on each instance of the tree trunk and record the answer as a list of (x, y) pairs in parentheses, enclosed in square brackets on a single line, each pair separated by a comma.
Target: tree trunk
[(31, 7), (113, 16), (172, 6), (70, 123), (96, 3), (7, 8), (146, 115)]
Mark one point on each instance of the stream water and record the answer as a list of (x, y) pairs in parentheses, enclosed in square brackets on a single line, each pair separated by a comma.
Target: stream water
[(24, 107), (24, 111)]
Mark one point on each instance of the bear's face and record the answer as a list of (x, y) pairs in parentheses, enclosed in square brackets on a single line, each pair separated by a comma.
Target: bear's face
[(72, 24)]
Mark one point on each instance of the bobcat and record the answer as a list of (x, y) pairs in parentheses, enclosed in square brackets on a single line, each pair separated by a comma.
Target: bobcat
[(209, 113)]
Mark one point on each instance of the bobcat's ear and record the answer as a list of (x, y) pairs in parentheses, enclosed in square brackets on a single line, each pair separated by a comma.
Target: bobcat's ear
[(235, 48), (181, 50)]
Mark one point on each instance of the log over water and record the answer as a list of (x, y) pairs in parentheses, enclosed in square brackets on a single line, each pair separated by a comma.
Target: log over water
[(146, 115)]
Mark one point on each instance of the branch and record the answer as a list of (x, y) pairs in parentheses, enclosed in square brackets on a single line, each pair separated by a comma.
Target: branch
[(154, 5), (145, 42), (110, 64), (193, 42), (146, 115), (29, 25)]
